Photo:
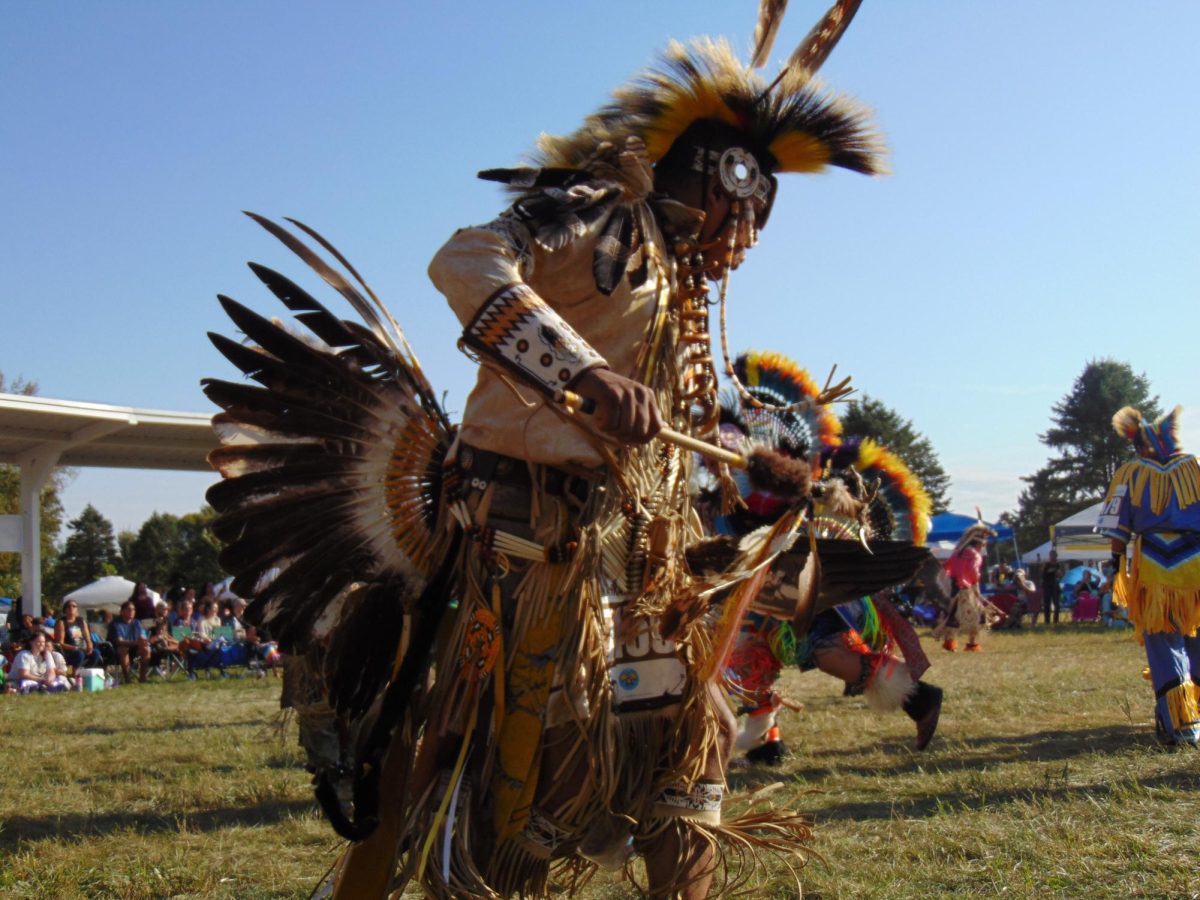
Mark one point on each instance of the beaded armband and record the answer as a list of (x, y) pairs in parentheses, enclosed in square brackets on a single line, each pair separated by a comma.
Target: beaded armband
[(518, 329)]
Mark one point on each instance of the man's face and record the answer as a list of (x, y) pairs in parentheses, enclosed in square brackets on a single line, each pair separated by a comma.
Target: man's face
[(127, 612), (730, 227)]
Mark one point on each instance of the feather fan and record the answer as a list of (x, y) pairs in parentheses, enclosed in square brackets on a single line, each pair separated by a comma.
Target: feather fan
[(332, 463)]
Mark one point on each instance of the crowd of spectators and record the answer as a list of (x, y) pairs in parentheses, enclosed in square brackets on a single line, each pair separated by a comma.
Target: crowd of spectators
[(50, 654)]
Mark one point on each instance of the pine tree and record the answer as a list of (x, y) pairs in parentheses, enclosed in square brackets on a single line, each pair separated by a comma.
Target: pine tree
[(89, 552), (1088, 450)]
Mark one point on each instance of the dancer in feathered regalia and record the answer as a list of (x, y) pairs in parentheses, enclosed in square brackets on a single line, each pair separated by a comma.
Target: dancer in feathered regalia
[(523, 667), (866, 494), (968, 613), (1152, 514)]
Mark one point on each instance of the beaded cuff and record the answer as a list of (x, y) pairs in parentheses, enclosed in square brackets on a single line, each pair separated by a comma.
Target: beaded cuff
[(518, 329)]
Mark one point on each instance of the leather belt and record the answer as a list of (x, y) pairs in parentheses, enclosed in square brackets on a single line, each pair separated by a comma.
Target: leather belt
[(480, 468)]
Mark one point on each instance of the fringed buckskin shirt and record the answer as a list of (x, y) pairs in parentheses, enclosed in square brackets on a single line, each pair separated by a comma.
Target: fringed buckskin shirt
[(477, 263)]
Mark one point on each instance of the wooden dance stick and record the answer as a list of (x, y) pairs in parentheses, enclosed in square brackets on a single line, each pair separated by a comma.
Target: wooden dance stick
[(578, 404)]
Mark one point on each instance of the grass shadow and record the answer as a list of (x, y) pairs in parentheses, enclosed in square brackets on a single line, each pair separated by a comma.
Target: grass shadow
[(975, 753), (83, 825), (91, 729), (933, 804)]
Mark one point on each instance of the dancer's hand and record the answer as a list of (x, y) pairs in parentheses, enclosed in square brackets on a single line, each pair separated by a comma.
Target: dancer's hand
[(624, 409)]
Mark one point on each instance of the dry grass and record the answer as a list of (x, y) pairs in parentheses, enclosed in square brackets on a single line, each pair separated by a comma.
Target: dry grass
[(1044, 781)]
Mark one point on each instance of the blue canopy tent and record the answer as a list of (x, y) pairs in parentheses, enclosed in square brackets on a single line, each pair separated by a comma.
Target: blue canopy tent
[(949, 527)]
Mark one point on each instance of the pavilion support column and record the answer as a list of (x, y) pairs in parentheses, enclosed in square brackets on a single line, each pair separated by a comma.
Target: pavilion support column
[(36, 468)]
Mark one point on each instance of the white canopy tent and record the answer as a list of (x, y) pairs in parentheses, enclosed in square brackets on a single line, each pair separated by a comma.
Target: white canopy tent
[(108, 593), (1041, 554), (1077, 534)]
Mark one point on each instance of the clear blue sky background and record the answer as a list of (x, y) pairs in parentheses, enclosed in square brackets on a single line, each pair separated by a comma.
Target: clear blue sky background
[(1042, 209)]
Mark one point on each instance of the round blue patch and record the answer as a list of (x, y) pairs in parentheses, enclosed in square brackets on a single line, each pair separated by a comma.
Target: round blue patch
[(628, 679)]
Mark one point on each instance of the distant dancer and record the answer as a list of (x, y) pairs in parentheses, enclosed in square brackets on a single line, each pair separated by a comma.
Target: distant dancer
[(1153, 504), (967, 613)]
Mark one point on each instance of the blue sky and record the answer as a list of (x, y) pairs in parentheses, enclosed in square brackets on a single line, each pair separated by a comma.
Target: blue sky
[(1042, 210)]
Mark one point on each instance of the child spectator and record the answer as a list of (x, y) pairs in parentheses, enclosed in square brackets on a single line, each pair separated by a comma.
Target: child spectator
[(237, 609)]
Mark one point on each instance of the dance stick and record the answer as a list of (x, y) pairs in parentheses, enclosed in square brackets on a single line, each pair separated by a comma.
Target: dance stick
[(578, 404)]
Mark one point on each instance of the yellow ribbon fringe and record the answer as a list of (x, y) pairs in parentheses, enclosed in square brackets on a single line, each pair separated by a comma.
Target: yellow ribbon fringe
[(1183, 703), (1159, 608), (1182, 480)]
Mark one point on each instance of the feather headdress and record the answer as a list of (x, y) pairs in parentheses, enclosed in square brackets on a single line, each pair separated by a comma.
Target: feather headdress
[(1161, 438), (792, 125), (980, 531), (805, 426)]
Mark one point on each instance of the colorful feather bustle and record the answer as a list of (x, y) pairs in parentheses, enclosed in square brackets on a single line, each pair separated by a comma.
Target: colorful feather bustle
[(1168, 432), (774, 379), (1160, 438), (899, 490)]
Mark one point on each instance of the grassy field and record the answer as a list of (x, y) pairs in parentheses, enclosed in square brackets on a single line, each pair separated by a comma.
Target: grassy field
[(1044, 781)]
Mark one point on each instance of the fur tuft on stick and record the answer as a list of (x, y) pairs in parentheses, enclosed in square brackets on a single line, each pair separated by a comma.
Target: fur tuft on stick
[(786, 478)]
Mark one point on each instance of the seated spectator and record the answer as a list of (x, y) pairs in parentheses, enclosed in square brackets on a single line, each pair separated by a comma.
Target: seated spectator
[(143, 603), (74, 640), (162, 644), (33, 670), (60, 666), (235, 619), (201, 649), (209, 593), (161, 615), (128, 637), (181, 615), (203, 625)]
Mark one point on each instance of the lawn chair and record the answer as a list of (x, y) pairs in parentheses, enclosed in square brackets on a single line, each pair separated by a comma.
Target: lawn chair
[(1087, 607)]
